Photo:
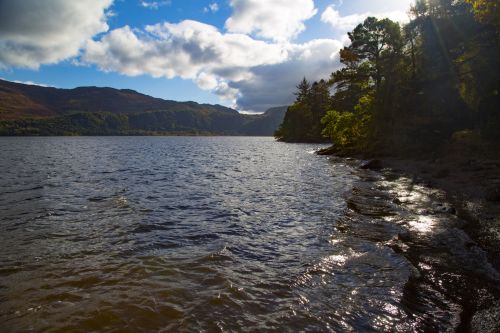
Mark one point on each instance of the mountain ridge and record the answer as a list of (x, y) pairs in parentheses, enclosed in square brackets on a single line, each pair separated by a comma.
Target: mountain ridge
[(37, 110)]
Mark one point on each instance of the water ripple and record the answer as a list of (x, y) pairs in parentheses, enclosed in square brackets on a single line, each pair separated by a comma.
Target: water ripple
[(202, 234)]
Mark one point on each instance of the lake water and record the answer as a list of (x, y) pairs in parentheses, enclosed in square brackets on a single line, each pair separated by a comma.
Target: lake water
[(163, 234)]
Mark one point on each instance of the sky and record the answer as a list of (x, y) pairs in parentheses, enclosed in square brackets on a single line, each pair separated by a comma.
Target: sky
[(246, 54)]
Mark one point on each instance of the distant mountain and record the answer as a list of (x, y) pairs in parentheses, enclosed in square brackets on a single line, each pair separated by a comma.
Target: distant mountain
[(267, 123), (35, 110)]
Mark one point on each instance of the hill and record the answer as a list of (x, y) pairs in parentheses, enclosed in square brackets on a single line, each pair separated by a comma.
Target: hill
[(35, 110)]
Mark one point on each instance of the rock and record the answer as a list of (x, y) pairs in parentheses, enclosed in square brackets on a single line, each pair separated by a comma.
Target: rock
[(342, 227), (397, 245), (371, 164), (443, 173), (493, 194), (396, 201), (443, 208), (487, 321), (404, 236), (327, 151), (415, 273)]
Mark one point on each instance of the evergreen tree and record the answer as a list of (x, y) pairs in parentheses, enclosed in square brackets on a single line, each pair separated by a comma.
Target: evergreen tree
[(408, 87), (303, 91)]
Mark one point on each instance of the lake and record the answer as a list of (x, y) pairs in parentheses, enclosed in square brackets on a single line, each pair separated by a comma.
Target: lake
[(129, 234)]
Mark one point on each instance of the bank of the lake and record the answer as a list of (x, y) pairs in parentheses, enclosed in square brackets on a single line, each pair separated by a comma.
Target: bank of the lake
[(467, 182)]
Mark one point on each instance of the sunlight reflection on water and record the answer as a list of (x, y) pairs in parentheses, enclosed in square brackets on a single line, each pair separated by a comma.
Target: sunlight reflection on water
[(201, 234), (424, 224)]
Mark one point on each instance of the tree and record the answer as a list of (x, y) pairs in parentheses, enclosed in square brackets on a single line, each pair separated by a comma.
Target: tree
[(297, 124), (302, 120), (349, 129), (486, 11), (303, 91), (376, 42), (412, 87), (319, 100), (350, 82)]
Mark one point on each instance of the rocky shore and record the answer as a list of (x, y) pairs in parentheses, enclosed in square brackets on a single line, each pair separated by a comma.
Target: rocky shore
[(447, 212)]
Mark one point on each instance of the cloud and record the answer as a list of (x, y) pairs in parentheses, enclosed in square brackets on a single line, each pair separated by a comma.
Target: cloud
[(251, 73), (155, 4), (278, 20), (34, 32), (273, 85), (213, 7), (349, 22), (184, 49)]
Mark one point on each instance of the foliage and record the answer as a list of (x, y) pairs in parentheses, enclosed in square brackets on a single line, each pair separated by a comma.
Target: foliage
[(349, 129), (36, 110), (175, 122), (411, 87), (375, 43), (302, 121), (486, 11), (341, 127)]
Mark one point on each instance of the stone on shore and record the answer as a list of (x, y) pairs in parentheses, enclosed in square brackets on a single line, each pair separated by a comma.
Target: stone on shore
[(371, 164)]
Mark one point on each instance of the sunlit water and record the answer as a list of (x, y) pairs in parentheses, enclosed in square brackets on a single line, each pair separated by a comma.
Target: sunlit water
[(198, 234)]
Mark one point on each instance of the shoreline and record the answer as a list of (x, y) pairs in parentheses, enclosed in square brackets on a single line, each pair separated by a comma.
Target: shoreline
[(470, 180), (473, 192), (469, 202)]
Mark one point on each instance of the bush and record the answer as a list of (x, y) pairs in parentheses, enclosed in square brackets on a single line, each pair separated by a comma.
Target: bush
[(349, 128)]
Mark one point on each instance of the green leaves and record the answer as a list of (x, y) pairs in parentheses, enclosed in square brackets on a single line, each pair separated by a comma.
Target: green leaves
[(374, 44), (409, 88), (349, 129), (302, 121)]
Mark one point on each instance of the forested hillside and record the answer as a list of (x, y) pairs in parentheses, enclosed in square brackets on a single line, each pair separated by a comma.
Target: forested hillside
[(35, 110), (408, 88)]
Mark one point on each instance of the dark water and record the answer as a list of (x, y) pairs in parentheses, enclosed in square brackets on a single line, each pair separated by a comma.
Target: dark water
[(206, 234)]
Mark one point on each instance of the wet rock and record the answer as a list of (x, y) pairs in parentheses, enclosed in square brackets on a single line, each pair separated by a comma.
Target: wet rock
[(328, 151), (342, 228), (443, 208), (371, 207), (423, 212), (396, 201), (487, 321), (371, 164), (404, 236), (415, 273), (398, 247)]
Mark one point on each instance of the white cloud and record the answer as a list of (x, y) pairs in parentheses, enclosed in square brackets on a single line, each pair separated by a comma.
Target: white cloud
[(185, 49), (213, 7), (155, 4), (226, 92), (206, 81), (34, 32), (349, 22), (251, 73), (278, 20)]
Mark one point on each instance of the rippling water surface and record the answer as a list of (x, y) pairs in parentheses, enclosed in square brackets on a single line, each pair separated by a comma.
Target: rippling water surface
[(189, 234)]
